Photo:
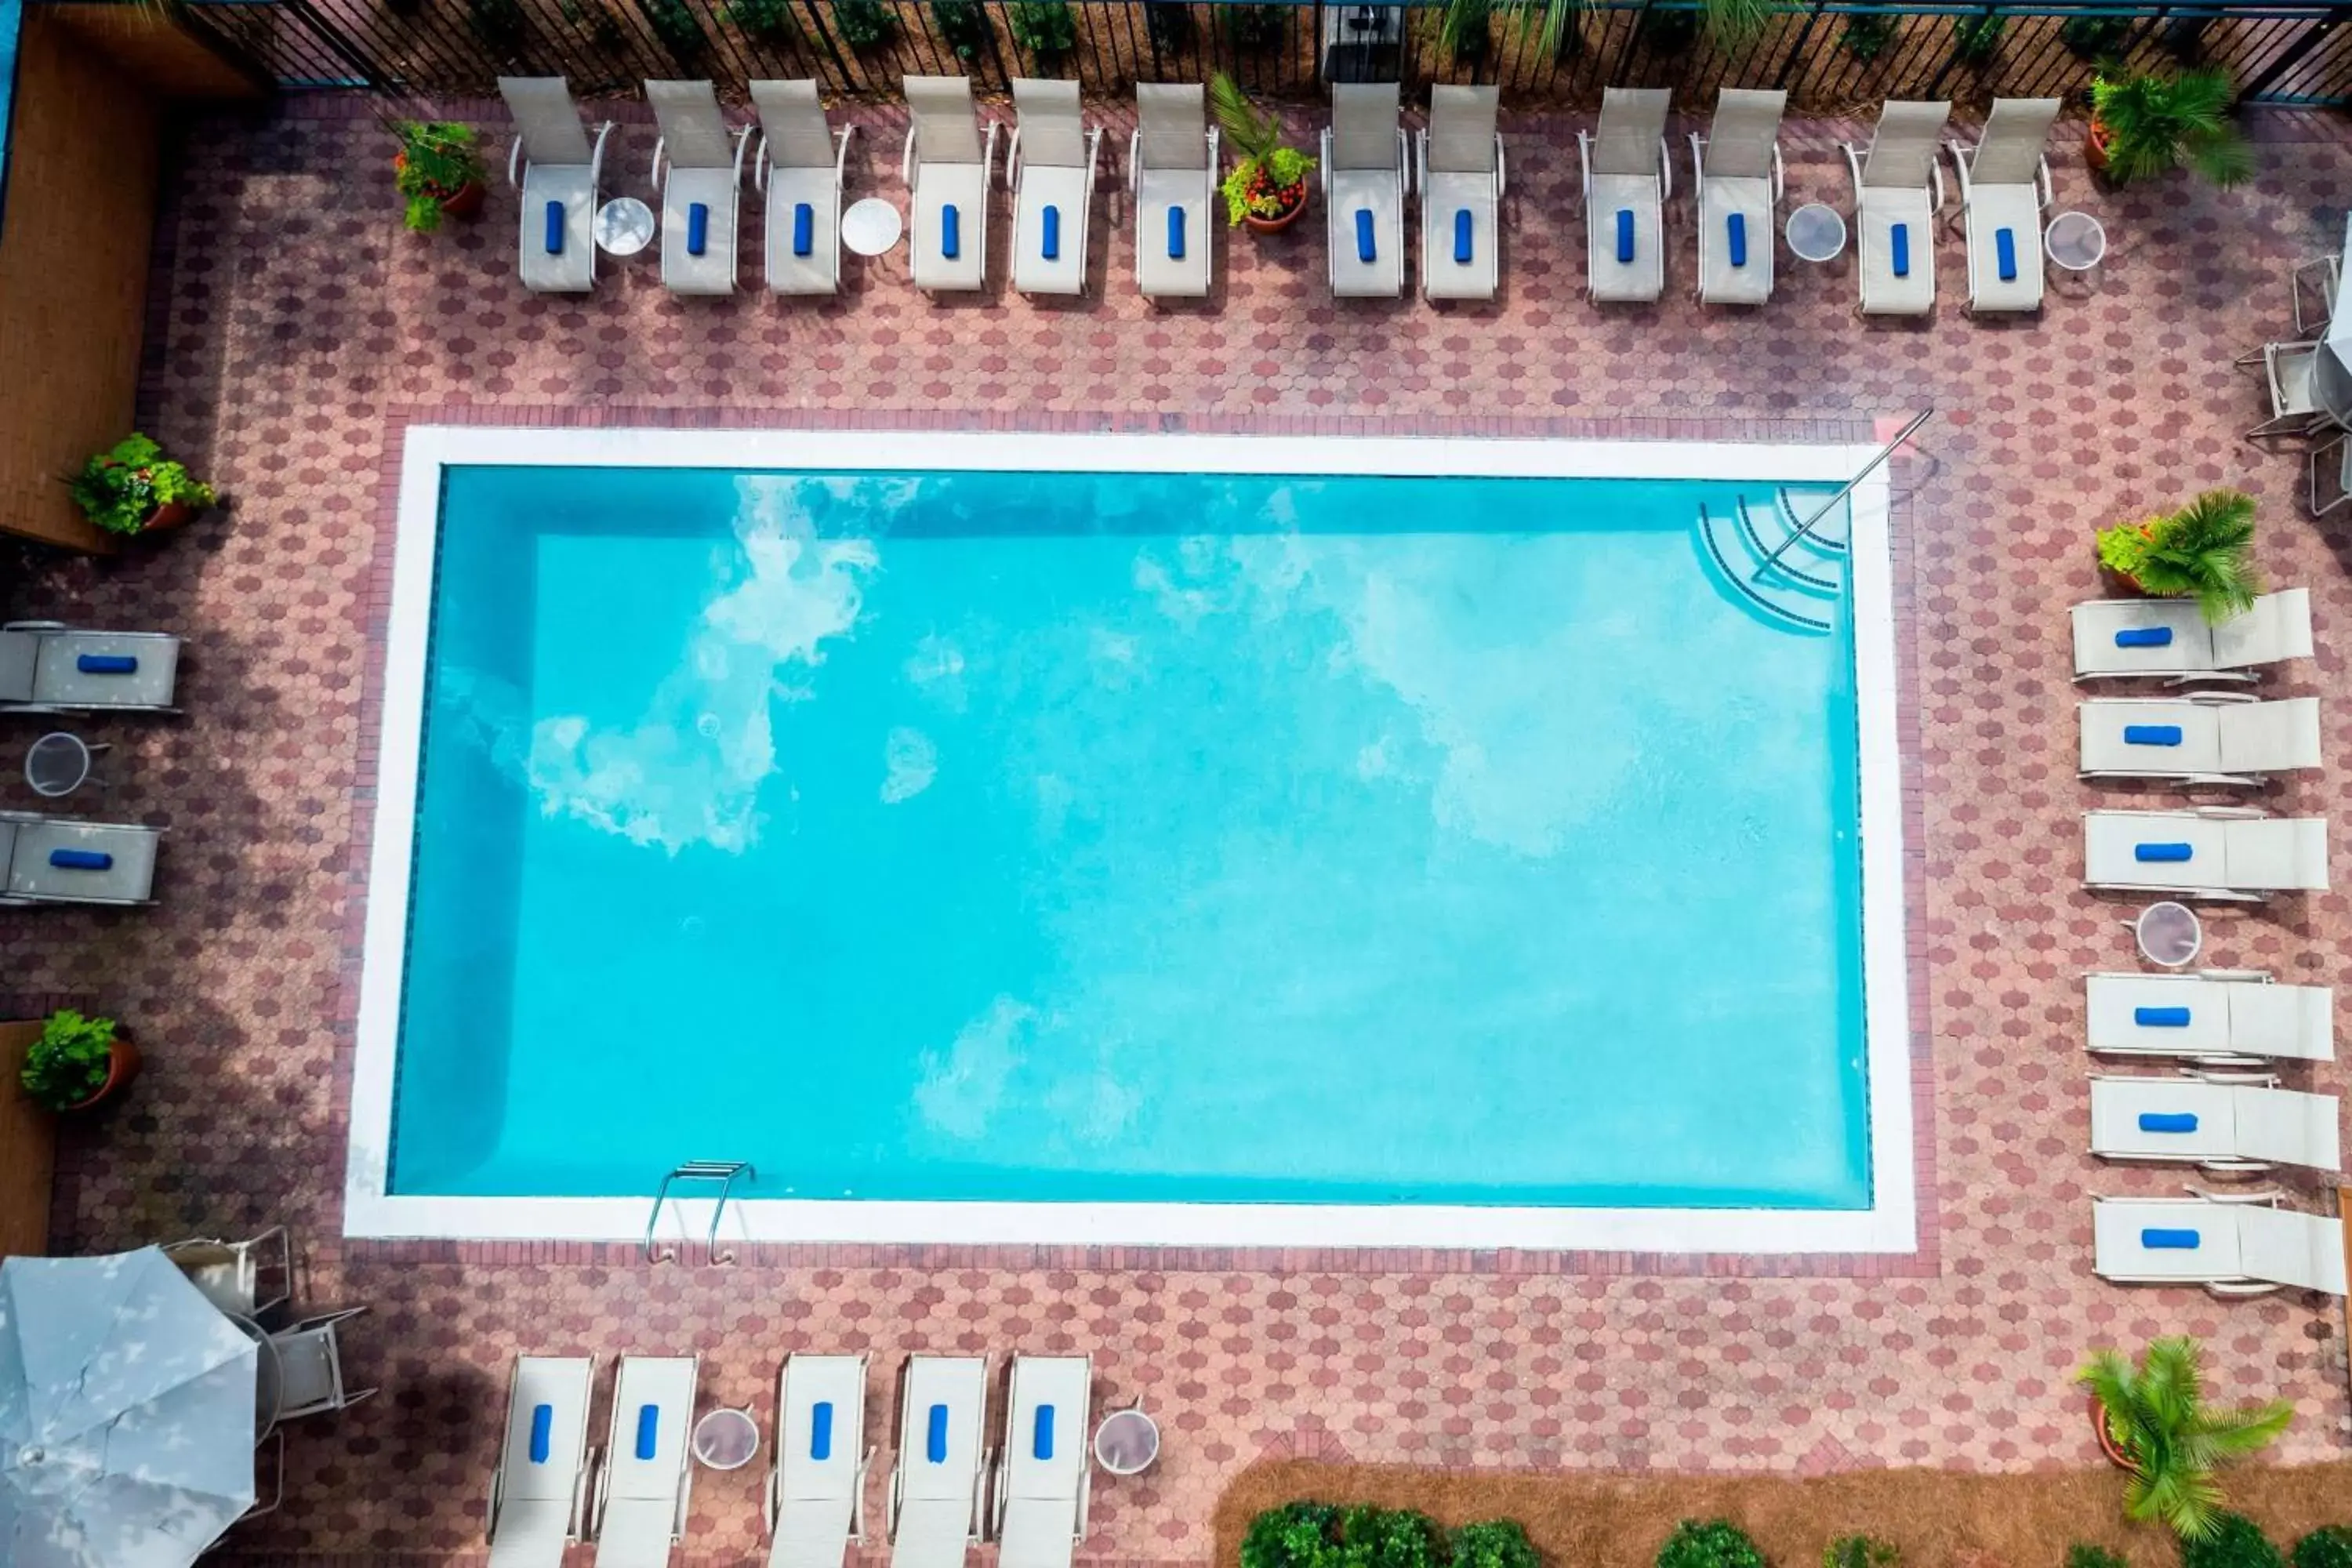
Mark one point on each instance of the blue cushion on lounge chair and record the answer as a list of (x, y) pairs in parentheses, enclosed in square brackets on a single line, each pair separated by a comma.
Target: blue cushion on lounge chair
[(1364, 250), (81, 860), (698, 228), (2159, 1240), (1040, 1440), (542, 1429), (2160, 1018), (1463, 225), (106, 664), (951, 232), (2004, 253), (821, 1429), (803, 228), (935, 1435), (1734, 229), (1624, 235), (1050, 244), (2160, 852), (1899, 240), (555, 228), (2168, 1122), (648, 1430), (2151, 734), (1175, 233), (2144, 637)]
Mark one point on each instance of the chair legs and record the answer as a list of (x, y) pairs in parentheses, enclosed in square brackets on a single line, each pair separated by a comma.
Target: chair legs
[(2330, 460), (2314, 282)]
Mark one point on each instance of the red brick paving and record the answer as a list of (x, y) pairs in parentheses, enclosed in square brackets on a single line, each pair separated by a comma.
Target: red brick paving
[(298, 330)]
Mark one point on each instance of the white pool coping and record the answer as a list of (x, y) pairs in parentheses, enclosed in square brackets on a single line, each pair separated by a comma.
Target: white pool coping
[(1889, 1226)]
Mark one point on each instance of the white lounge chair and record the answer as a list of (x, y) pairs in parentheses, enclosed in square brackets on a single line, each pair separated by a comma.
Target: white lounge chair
[(2234, 1244), (1041, 1479), (798, 170), (701, 197), (2004, 187), (57, 860), (816, 1494), (935, 1489), (945, 164), (641, 1494), (1462, 174), (538, 1488), (1627, 178), (1172, 178), (2129, 638), (47, 666), (1894, 213), (1050, 168), (2227, 853), (2215, 1124), (563, 179), (1736, 168), (2231, 1016), (1365, 183), (2212, 738)]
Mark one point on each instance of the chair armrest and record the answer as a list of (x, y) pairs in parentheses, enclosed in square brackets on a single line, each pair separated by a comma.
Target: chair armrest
[(769, 1508), (2237, 1292), (1665, 173), (2230, 813), (906, 160), (1502, 174), (2049, 192), (1323, 163), (653, 175), (1936, 174), (1134, 158), (988, 165), (490, 1514), (1853, 167), (743, 146), (1404, 162), (583, 1492), (514, 157), (1584, 166), (841, 158), (1699, 164), (2255, 976), (1959, 168), (1780, 174), (857, 1499), (596, 163), (2273, 1197), (2254, 1077), (1013, 160), (1216, 158), (759, 166), (1421, 160)]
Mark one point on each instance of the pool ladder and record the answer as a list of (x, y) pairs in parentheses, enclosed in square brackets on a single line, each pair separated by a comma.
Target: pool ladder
[(723, 1172)]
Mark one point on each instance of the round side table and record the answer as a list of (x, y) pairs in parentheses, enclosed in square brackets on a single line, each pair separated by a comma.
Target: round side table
[(871, 227), (624, 226), (2170, 934), (726, 1439), (1127, 1443), (58, 763), (1816, 233), (2075, 241)]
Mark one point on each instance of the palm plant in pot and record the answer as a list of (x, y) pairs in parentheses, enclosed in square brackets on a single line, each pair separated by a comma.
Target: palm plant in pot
[(2146, 123), (78, 1062), (132, 488), (438, 171), (2152, 1420), (1268, 188), (2201, 551)]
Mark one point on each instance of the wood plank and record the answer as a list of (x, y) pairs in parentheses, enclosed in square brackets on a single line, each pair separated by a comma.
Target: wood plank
[(28, 1150)]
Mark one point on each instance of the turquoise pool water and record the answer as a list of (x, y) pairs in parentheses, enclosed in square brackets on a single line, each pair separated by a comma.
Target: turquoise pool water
[(1063, 836)]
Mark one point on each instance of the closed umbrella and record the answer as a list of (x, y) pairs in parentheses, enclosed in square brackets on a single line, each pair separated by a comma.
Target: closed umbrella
[(2331, 376), (126, 1414)]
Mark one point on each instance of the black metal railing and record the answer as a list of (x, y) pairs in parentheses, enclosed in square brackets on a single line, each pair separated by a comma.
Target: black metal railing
[(1830, 54)]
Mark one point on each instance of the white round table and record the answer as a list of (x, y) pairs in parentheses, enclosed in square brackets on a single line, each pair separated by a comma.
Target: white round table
[(871, 227), (58, 764), (625, 225), (726, 1439), (1816, 233), (2075, 241), (1127, 1442), (2170, 934)]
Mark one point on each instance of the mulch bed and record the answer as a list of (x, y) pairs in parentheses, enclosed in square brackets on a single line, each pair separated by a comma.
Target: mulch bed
[(1939, 1518)]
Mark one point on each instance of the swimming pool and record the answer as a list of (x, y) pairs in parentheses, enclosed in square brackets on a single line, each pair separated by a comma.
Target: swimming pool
[(1127, 838)]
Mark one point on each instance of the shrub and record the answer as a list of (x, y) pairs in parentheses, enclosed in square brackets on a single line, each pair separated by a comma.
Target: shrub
[(1861, 1551), (864, 23), (1294, 1535), (1504, 1543), (2204, 552), (1390, 1538), (2329, 1546), (772, 21), (963, 25), (2093, 37), (673, 22), (119, 488), (1867, 33), (1047, 29), (69, 1062), (2156, 1413), (1717, 1543), (2234, 1542), (2156, 124), (1975, 40), (2082, 1555)]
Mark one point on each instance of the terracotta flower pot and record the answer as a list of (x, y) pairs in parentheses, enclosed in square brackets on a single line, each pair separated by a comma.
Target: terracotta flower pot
[(2108, 1443), (1276, 225), (465, 202), (121, 1066), (171, 514), (2095, 147)]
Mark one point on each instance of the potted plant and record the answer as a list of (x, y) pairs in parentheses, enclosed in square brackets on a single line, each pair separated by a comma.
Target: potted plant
[(2201, 551), (2152, 1421), (132, 488), (78, 1062), (438, 171), (2146, 123), (1267, 189)]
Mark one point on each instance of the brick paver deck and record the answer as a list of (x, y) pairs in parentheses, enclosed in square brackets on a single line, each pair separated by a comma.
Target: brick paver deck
[(298, 331)]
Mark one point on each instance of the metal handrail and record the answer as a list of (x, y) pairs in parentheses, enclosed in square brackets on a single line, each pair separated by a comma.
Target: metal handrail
[(724, 1173), (1806, 527)]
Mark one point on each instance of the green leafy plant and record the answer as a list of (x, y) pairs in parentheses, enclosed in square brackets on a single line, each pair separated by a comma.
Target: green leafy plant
[(2157, 1415), (1465, 28), (2154, 124), (120, 488), (70, 1061), (2234, 1542), (1716, 1544), (2201, 551), (2082, 1555), (1975, 40), (1867, 33), (963, 25), (1861, 1551), (1292, 1535), (770, 21), (1504, 1543), (2093, 37), (675, 24), (1048, 29), (1318, 1535), (864, 23), (2329, 1546), (1269, 175), (437, 159), (1391, 1538)]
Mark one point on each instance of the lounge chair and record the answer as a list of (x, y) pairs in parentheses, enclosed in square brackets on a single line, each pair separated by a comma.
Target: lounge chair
[(537, 1489), (2131, 638), (2212, 738), (945, 164), (1627, 179), (1462, 174), (1737, 169), (798, 169), (701, 197), (1171, 179), (816, 1494), (244, 1278), (1364, 188), (2230, 853), (1894, 213), (47, 666), (310, 1357), (2229, 1016), (1041, 1480), (2291, 374), (56, 860), (935, 1489), (1050, 168), (2004, 187), (2216, 1125), (563, 179), (641, 1492), (2234, 1244)]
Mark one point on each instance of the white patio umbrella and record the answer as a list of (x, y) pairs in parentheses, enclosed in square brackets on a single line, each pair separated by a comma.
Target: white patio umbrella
[(126, 1414), (2332, 367)]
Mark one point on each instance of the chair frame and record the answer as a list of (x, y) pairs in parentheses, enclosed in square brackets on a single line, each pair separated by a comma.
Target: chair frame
[(2295, 424), (247, 1251), (1420, 178), (519, 169), (1094, 135), (2330, 271), (2234, 1289), (1214, 173), (1584, 198), (324, 1325), (1404, 205), (761, 167), (2334, 454)]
